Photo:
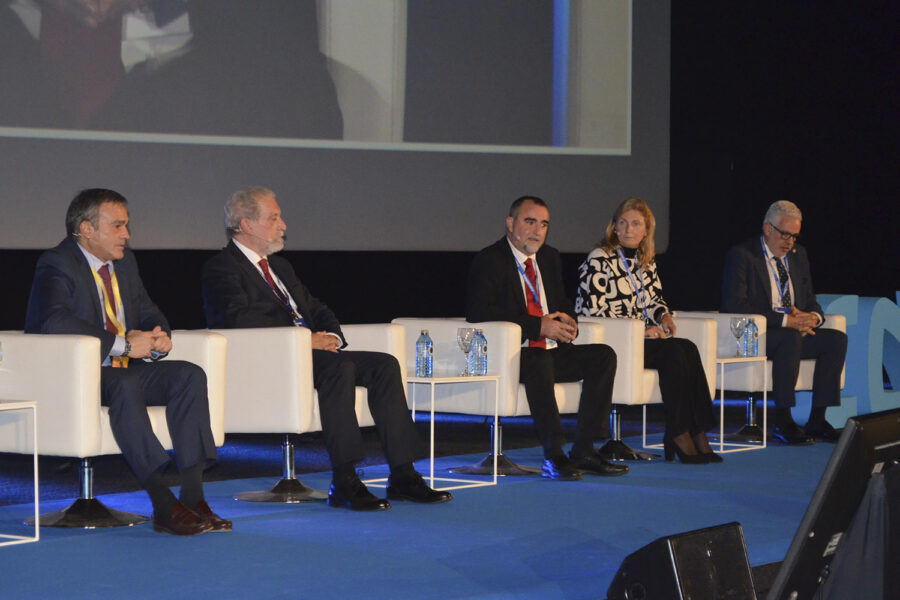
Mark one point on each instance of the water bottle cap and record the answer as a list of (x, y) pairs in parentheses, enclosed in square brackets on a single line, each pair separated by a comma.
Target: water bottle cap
[(424, 331)]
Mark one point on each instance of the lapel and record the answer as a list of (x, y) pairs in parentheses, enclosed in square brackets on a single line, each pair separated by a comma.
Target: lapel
[(84, 280), (762, 270), (513, 276), (251, 273)]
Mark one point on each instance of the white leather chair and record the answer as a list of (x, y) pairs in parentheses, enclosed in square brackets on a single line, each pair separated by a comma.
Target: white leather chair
[(748, 377), (62, 374), (636, 385), (270, 390), (504, 344)]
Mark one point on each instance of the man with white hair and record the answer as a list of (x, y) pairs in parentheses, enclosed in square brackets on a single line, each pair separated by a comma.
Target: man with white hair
[(769, 275)]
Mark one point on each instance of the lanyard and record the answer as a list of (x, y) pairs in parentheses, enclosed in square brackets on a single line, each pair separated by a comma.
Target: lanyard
[(634, 286), (120, 325), (782, 289), (532, 288)]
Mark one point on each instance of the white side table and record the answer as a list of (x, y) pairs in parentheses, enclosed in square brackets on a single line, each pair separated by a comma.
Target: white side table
[(721, 361), (7, 539), (431, 382)]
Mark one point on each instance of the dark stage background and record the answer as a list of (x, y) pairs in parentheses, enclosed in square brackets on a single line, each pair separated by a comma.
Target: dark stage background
[(769, 100)]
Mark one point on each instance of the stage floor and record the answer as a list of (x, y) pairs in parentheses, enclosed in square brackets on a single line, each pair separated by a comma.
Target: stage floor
[(524, 538)]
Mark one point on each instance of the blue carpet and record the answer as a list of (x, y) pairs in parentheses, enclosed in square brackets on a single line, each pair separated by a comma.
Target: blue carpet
[(524, 538)]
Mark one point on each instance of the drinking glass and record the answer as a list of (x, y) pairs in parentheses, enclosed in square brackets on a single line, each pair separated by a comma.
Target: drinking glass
[(737, 330), (464, 337)]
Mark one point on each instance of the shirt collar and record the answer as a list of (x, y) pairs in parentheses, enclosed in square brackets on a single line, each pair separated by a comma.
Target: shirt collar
[(251, 255), (94, 262)]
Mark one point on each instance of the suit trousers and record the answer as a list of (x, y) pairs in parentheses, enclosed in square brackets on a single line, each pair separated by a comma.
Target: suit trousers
[(179, 386), (335, 376), (682, 383), (785, 347), (594, 365)]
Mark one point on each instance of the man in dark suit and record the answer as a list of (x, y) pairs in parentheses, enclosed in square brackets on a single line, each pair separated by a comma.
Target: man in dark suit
[(89, 285), (244, 285), (519, 279), (769, 275)]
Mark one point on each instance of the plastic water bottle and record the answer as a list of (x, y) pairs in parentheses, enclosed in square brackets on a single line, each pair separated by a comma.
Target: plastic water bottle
[(479, 353), (750, 341), (424, 355)]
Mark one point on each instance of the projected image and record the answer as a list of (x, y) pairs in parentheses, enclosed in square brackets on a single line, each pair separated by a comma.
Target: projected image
[(377, 72)]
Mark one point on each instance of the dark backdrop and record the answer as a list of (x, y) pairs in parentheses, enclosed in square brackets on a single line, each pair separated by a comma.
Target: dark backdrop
[(770, 100)]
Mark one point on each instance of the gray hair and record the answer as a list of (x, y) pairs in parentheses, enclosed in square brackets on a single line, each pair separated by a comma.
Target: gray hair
[(86, 207), (244, 205), (782, 208)]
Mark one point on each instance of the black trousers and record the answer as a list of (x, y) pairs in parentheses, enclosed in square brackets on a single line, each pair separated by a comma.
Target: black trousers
[(594, 365), (682, 383), (179, 386), (335, 376), (785, 347)]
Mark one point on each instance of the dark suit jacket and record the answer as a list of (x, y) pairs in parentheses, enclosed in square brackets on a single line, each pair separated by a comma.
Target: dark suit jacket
[(64, 297), (746, 287), (238, 50), (236, 295), (494, 288)]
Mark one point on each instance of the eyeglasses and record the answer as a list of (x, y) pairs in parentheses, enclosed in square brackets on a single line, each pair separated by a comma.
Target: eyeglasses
[(785, 235)]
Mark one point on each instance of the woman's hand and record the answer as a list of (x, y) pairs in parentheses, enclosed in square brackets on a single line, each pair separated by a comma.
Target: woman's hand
[(668, 325), (654, 332)]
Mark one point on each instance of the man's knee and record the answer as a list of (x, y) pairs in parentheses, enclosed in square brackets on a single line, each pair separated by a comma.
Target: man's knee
[(601, 355)]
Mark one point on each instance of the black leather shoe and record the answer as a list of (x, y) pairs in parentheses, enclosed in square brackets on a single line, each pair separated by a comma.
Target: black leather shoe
[(594, 464), (355, 496), (560, 468), (824, 432), (181, 521), (415, 489), (791, 434), (217, 522)]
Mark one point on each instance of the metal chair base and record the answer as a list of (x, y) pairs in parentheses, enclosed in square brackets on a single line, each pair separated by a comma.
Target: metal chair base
[(89, 513), (504, 467), (747, 433), (288, 491), (619, 450)]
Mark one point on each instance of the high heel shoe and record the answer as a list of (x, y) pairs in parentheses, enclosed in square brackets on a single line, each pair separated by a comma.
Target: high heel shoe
[(704, 449), (671, 449)]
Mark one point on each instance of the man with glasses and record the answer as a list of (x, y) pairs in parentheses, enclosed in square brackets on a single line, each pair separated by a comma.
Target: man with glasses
[(769, 275)]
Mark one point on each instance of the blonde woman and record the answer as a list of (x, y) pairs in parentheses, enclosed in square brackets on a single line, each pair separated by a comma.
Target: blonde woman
[(619, 280)]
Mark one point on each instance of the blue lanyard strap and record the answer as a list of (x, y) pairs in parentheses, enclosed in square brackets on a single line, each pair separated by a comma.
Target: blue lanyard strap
[(531, 287), (634, 286), (782, 289)]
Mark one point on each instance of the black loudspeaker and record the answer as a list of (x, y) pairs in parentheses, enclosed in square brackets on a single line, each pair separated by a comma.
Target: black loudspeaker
[(705, 564)]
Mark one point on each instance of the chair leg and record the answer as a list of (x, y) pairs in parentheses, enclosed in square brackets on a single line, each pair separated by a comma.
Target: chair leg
[(615, 448), (751, 432), (289, 489), (505, 466), (87, 512)]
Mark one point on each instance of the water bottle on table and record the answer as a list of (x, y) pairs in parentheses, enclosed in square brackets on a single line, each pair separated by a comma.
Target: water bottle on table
[(479, 353), (424, 355), (750, 341)]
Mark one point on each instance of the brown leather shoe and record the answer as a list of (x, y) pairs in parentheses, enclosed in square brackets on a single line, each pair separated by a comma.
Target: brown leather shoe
[(181, 521), (217, 522)]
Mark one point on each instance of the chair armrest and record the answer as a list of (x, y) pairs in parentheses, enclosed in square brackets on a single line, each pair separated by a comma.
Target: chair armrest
[(704, 333), (590, 332), (379, 337), (626, 337), (269, 387), (62, 374), (207, 350), (835, 321)]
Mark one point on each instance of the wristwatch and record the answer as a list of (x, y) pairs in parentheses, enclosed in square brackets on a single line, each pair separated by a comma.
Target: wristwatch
[(127, 350)]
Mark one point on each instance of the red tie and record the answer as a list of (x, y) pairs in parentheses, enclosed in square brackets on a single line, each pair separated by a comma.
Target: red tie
[(107, 283), (534, 301), (264, 265)]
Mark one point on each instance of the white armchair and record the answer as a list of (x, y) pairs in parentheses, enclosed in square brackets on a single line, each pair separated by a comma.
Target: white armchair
[(504, 344), (747, 377), (62, 374), (270, 390), (636, 385)]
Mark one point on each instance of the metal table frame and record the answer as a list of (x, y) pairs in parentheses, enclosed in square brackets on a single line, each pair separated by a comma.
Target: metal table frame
[(8, 539)]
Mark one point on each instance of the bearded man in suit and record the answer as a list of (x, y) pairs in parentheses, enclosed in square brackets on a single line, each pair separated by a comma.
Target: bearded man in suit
[(247, 285), (519, 279)]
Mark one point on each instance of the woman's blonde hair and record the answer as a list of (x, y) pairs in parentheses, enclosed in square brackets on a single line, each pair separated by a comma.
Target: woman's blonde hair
[(647, 247)]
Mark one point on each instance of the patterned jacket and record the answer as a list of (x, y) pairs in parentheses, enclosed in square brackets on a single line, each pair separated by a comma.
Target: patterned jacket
[(606, 290)]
